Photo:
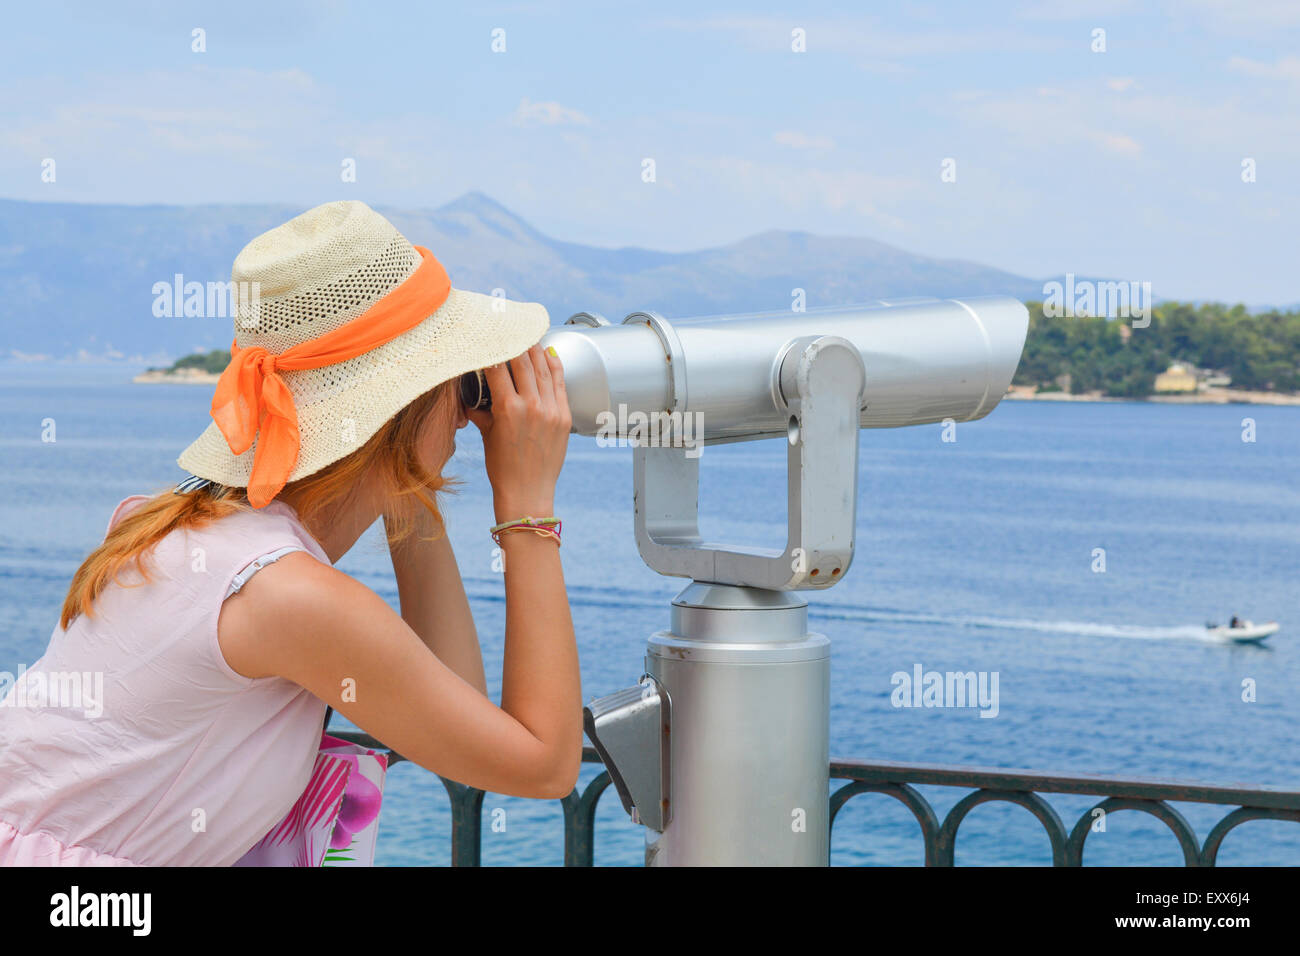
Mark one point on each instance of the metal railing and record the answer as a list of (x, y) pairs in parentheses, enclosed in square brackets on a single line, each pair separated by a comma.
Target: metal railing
[(899, 780)]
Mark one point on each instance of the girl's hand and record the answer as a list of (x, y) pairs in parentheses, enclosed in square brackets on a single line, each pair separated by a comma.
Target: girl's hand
[(526, 434)]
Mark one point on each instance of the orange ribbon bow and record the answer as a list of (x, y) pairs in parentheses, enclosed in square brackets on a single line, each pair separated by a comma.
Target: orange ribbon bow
[(252, 401)]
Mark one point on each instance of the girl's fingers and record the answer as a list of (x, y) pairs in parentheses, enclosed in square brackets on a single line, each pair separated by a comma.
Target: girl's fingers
[(525, 380), (556, 368), (542, 368)]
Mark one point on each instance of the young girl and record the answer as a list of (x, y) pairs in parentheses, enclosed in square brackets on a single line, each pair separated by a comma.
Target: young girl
[(215, 619)]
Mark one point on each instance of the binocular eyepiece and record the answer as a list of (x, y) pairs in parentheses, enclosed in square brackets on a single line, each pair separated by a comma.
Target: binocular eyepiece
[(474, 392)]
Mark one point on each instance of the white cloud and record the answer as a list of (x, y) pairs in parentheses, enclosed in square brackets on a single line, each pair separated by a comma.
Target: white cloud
[(797, 140), (1286, 68), (1119, 84), (1117, 143), (808, 190), (1183, 127), (548, 113), (1257, 17), (864, 37), (1074, 9), (227, 113)]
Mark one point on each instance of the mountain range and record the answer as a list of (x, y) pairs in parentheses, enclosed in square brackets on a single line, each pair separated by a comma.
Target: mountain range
[(77, 280)]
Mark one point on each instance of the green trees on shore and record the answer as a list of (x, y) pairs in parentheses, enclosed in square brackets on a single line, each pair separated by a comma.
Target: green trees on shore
[(214, 361), (1260, 352)]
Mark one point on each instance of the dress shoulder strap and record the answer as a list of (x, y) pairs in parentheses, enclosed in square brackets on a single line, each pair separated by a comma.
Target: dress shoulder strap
[(242, 577)]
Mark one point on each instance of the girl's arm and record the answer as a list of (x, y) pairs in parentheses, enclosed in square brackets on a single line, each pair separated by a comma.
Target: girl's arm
[(524, 440), (309, 623), (434, 602)]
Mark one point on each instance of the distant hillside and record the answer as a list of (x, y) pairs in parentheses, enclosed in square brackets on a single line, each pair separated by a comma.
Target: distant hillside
[(79, 277)]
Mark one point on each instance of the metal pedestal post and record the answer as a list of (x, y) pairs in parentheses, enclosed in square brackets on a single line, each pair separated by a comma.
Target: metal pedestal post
[(750, 692)]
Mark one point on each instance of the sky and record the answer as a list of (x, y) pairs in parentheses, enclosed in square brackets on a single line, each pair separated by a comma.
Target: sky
[(995, 132)]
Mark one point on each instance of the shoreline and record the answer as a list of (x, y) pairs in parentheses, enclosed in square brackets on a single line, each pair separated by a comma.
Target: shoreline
[(180, 376), (1212, 396)]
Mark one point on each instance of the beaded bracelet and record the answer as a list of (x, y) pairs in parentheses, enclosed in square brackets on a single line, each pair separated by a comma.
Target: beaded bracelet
[(545, 526)]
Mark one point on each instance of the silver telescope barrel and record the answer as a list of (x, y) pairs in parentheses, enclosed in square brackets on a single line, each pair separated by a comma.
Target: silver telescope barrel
[(926, 360)]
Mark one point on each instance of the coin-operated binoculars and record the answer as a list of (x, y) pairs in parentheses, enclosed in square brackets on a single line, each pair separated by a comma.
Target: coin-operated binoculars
[(721, 751)]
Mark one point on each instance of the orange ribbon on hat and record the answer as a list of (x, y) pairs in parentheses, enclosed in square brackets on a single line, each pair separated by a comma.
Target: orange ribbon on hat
[(252, 401)]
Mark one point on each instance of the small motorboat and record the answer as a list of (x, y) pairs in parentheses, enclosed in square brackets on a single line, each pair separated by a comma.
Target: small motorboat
[(1242, 632)]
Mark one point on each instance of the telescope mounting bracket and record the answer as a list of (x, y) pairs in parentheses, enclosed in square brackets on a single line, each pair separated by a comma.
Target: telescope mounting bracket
[(820, 381)]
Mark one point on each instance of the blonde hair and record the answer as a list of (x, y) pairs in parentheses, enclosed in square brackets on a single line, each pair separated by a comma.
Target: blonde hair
[(393, 451)]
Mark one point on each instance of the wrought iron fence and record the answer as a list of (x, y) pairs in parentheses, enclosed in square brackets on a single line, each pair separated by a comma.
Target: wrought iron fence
[(899, 780)]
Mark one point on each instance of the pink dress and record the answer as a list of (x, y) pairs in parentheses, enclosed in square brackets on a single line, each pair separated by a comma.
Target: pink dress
[(133, 742)]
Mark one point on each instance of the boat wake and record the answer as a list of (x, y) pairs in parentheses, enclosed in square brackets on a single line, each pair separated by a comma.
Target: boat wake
[(1184, 632)]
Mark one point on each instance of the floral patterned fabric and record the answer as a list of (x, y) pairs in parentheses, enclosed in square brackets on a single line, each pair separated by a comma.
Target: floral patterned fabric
[(336, 820)]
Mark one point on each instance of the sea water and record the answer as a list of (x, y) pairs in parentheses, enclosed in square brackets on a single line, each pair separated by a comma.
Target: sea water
[(1066, 554)]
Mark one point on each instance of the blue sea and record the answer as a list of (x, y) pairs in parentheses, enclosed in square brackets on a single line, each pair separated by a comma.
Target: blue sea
[(979, 554)]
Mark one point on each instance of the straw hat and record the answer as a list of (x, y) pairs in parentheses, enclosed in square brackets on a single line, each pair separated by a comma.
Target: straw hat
[(317, 272)]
